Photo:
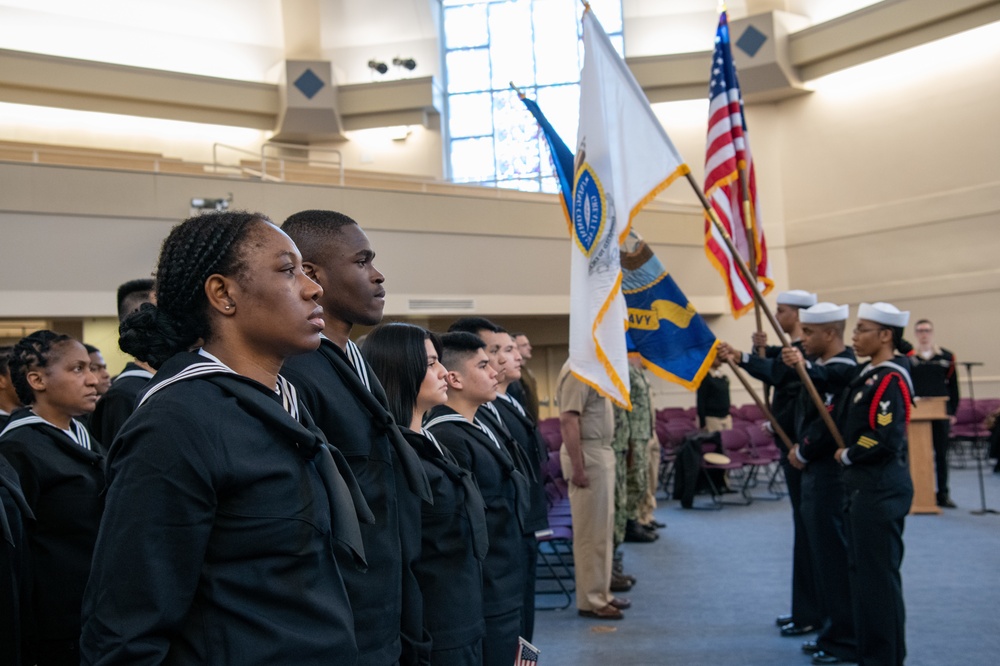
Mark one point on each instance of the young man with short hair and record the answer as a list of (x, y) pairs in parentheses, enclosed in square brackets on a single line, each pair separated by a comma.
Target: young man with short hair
[(832, 368), (518, 433), (472, 382), (349, 405), (805, 615)]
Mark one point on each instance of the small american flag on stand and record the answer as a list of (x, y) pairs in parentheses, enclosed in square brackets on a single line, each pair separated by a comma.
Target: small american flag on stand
[(527, 654)]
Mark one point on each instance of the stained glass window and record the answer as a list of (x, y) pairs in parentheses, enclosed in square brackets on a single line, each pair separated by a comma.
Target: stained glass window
[(534, 44)]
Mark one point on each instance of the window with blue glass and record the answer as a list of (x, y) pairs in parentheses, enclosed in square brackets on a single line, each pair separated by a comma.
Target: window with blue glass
[(534, 44)]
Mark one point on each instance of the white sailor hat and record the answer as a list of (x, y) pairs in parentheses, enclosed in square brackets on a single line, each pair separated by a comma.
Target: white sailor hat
[(886, 314), (798, 298), (824, 313)]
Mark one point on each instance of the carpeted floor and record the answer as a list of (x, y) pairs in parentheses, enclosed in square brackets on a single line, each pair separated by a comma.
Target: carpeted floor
[(710, 588)]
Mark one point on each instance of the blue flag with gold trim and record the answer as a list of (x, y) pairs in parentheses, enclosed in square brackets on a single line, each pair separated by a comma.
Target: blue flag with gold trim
[(673, 340)]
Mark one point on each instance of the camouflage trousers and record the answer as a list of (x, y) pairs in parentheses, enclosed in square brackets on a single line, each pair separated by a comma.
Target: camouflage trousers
[(637, 484)]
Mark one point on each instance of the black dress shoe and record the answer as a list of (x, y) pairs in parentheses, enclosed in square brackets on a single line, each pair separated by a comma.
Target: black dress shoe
[(945, 502), (810, 647), (657, 524), (796, 629), (782, 620), (636, 534), (621, 583), (827, 658)]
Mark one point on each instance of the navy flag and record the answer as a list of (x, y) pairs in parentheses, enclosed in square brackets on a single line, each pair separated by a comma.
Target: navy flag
[(673, 340)]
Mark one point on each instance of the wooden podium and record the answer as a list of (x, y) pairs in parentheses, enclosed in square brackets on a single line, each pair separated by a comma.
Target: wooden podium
[(921, 443)]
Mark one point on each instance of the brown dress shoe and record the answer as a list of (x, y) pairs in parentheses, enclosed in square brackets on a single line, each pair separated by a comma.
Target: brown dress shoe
[(608, 612)]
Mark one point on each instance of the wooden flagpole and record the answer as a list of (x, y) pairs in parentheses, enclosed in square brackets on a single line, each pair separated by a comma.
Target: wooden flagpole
[(778, 430), (751, 279)]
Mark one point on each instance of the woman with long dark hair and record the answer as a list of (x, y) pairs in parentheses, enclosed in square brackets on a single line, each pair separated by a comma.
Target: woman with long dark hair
[(61, 476), (224, 502), (406, 359), (878, 483)]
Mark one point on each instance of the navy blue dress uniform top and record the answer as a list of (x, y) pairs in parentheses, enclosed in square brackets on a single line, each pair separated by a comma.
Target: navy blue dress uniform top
[(879, 495), (118, 403), (454, 543), (502, 487), (784, 402), (355, 421), (62, 481), (823, 500), (525, 444), (225, 509), (14, 568)]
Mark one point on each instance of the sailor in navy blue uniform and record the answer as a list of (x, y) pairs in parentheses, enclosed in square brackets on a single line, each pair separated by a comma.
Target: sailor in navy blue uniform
[(507, 417), (878, 483), (117, 404), (472, 382), (14, 567), (832, 367), (349, 405), (933, 371), (61, 476), (805, 615)]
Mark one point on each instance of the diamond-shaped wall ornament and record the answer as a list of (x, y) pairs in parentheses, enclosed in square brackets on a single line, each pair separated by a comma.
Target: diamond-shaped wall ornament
[(751, 40), (309, 84)]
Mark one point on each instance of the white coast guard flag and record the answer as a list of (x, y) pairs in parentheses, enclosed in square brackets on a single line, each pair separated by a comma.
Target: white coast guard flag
[(623, 159)]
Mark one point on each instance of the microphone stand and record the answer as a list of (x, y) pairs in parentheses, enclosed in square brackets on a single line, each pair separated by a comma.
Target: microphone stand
[(975, 444)]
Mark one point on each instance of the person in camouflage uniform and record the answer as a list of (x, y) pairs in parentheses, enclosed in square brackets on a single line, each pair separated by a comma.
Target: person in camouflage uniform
[(633, 430), (619, 444), (641, 431)]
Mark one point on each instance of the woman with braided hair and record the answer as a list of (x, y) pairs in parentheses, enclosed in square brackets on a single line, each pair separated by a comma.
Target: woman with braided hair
[(61, 477), (224, 504), (878, 483)]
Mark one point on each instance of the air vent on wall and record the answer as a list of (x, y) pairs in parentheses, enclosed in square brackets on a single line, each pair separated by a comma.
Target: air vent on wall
[(437, 304)]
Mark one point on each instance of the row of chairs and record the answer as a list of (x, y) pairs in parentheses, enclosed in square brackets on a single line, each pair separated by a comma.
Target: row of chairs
[(745, 454)]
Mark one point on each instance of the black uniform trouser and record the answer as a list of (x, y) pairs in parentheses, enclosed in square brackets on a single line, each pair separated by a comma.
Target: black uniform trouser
[(822, 509), (940, 430), (500, 642), (805, 605), (466, 655), (528, 606), (875, 547)]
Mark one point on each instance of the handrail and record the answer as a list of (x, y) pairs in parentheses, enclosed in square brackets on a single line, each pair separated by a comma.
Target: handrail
[(37, 152), (215, 158), (339, 163)]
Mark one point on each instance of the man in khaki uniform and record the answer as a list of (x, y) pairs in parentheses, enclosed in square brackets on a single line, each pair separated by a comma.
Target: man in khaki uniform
[(588, 464)]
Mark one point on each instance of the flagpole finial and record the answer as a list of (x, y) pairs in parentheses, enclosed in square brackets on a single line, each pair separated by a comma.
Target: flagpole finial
[(722, 6), (586, 6), (516, 89)]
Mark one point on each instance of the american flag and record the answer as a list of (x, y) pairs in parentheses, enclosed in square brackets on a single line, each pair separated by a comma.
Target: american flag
[(527, 654), (727, 163)]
